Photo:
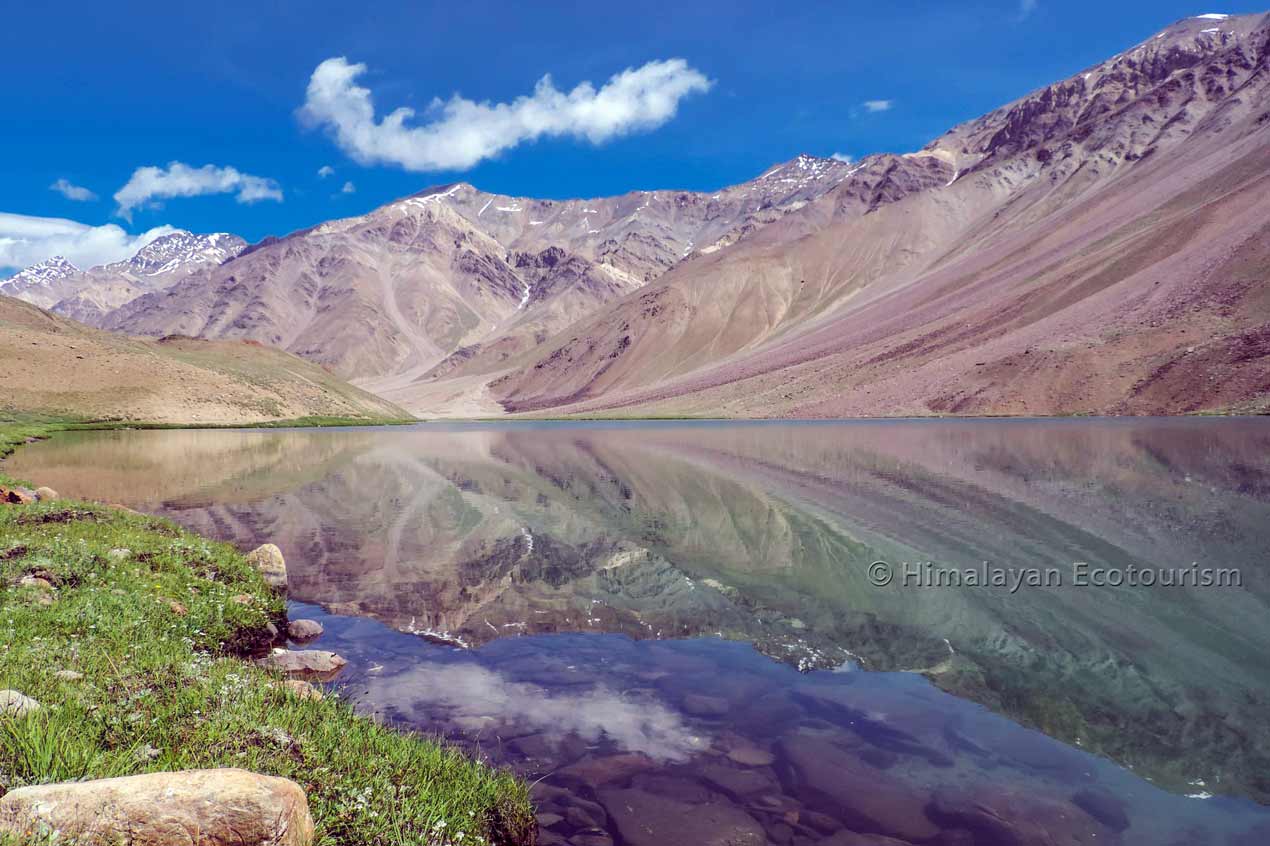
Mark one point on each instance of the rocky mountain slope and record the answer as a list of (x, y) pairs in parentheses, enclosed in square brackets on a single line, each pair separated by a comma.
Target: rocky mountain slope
[(1100, 246), (87, 295), (53, 366), (455, 274), (1096, 246)]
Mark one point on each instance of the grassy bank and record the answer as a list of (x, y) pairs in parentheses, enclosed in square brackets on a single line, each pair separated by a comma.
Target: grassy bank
[(156, 635)]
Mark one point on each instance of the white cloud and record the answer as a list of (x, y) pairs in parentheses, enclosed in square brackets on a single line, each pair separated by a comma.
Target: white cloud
[(149, 184), (1026, 8), (878, 105), (458, 133), (348, 188), (71, 191), (26, 240), (325, 171), (843, 157)]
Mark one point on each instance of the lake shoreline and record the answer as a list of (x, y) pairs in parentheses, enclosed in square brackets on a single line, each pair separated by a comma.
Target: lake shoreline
[(131, 634)]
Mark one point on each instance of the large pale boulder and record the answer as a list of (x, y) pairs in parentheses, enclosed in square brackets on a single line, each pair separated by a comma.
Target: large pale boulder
[(226, 807), (304, 663), (268, 559), (16, 704), (45, 494), (304, 629)]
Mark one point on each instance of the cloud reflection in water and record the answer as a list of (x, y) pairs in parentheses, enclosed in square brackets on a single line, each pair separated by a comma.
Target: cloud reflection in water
[(635, 723)]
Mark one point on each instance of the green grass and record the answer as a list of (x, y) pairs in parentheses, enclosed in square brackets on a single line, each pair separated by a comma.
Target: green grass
[(166, 691)]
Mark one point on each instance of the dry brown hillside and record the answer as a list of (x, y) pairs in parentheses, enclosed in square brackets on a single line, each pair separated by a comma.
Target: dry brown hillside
[(50, 365)]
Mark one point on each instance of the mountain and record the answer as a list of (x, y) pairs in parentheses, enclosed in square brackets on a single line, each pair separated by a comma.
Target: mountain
[(43, 283), (87, 295), (53, 366), (455, 273), (1100, 246), (1096, 246)]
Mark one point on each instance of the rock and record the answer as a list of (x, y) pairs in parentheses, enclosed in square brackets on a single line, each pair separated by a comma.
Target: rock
[(145, 753), (643, 819), (1102, 806), (242, 599), (17, 496), (15, 704), (822, 823), (268, 560), (304, 663), (548, 820), (751, 756), (864, 797), (852, 838), (736, 783), (779, 833), (674, 787), (700, 705), (303, 689), (304, 629), (177, 608), (45, 494), (68, 675), (35, 582), (1003, 815), (580, 817), (225, 807), (591, 838), (118, 555), (596, 771)]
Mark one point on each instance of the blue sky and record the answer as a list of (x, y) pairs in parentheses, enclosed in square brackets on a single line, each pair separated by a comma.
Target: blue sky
[(99, 91)]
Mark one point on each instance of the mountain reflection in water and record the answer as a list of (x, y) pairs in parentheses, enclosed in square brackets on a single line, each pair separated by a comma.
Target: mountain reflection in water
[(498, 537)]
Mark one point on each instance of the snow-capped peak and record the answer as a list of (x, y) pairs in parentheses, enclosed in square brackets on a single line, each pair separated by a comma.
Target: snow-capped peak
[(182, 250), (48, 271)]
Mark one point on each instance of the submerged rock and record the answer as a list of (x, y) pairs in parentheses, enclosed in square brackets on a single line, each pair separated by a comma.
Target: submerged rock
[(197, 807), (645, 819), (701, 705), (16, 704), (750, 756), (864, 797), (852, 838), (268, 560)]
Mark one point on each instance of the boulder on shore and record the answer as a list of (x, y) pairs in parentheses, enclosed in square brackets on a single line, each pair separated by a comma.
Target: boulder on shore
[(45, 494), (303, 689), (268, 560), (16, 704), (304, 629), (16, 495), (304, 663), (197, 807)]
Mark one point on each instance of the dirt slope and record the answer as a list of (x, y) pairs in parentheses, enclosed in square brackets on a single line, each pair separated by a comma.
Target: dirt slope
[(54, 366)]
